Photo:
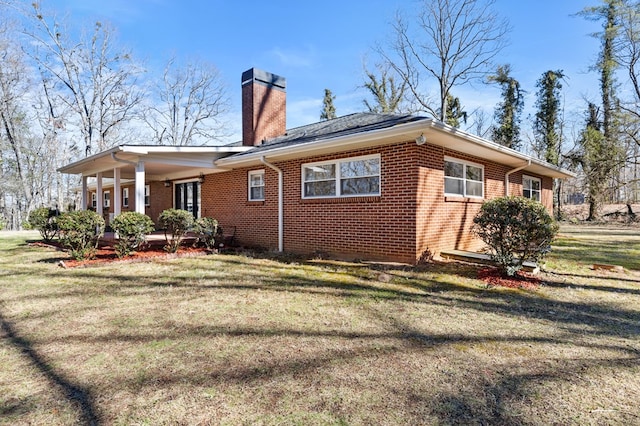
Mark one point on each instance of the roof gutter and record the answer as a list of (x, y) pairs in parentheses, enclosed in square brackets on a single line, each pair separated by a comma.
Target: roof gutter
[(280, 202), (120, 160), (509, 173)]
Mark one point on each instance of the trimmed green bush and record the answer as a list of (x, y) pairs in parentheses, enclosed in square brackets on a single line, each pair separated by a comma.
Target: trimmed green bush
[(516, 229), (207, 229), (42, 220), (132, 228), (80, 231), (176, 223)]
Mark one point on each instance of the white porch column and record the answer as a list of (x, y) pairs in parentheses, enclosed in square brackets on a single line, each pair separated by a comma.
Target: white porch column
[(140, 187), (99, 196), (85, 194), (117, 193)]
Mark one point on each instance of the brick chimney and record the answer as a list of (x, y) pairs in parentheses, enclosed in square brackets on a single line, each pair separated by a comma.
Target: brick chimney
[(263, 106)]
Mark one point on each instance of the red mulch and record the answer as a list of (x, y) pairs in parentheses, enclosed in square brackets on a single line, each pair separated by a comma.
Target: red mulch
[(106, 254), (522, 280)]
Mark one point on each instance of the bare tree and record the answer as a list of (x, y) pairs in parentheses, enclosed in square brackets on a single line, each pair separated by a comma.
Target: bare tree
[(27, 158), (94, 78), (452, 41), (186, 106), (481, 123)]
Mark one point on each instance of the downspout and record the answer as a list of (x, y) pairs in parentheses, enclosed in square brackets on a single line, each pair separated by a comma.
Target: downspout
[(280, 203), (509, 173)]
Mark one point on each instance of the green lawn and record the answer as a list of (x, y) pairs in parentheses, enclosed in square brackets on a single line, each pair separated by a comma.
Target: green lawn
[(232, 339)]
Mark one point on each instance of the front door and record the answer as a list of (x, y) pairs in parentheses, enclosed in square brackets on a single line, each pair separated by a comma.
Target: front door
[(188, 197)]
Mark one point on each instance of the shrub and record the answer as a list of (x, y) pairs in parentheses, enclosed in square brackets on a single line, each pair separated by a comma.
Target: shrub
[(207, 229), (516, 229), (80, 231), (44, 220), (132, 228), (176, 223)]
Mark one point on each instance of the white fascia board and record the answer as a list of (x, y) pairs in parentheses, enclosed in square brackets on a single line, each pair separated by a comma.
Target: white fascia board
[(169, 149), (90, 165), (88, 160)]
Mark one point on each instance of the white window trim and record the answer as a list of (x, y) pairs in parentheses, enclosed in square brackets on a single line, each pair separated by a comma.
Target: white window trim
[(465, 164), (338, 177), (106, 201), (249, 186), (125, 198), (147, 195), (94, 200), (532, 178)]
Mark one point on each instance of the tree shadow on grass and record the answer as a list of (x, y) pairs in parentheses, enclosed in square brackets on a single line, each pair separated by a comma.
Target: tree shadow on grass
[(220, 275), (76, 395)]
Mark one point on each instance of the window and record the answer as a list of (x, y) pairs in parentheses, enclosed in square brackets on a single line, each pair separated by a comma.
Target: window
[(256, 185), (147, 191), (125, 197), (531, 187), (342, 178), (94, 200), (107, 199), (462, 178)]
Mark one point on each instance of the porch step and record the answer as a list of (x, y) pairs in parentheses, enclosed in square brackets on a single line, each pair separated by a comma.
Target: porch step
[(470, 256)]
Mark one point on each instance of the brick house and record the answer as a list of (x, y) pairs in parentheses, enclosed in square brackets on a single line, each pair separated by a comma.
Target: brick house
[(368, 186)]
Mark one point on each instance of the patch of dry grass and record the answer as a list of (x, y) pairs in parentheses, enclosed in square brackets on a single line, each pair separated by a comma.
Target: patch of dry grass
[(229, 339)]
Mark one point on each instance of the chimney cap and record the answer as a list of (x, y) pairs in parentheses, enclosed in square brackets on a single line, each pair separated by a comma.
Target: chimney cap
[(263, 77)]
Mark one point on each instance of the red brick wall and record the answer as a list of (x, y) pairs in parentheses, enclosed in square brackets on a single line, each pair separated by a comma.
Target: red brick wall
[(263, 113), (445, 222), (160, 198), (411, 215), (224, 197)]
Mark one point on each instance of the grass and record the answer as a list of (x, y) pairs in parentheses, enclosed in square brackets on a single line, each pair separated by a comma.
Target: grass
[(233, 339)]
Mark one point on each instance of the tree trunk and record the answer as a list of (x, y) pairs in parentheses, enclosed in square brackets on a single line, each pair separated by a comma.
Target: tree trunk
[(557, 190)]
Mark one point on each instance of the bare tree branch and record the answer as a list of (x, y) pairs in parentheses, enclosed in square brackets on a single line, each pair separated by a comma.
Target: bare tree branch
[(453, 41)]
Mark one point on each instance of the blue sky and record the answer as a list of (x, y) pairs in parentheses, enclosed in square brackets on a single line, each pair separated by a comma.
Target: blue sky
[(323, 44)]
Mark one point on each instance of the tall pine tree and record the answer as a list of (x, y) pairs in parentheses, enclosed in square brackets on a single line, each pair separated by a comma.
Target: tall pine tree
[(328, 109), (547, 126), (599, 155), (454, 113), (506, 131), (387, 94)]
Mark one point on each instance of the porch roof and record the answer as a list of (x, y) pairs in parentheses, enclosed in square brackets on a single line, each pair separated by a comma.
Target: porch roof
[(160, 161)]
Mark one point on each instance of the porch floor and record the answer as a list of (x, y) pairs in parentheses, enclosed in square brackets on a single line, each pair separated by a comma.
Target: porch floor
[(473, 257)]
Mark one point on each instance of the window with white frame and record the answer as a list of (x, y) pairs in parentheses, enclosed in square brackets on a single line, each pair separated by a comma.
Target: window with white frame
[(107, 199), (531, 187), (463, 178), (94, 200), (256, 185), (125, 197), (350, 177), (147, 192)]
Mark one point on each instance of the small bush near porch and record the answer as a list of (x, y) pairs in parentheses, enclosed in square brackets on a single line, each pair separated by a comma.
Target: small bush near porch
[(230, 339)]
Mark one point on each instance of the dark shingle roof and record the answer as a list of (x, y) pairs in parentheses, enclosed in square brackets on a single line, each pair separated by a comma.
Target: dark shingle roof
[(347, 125)]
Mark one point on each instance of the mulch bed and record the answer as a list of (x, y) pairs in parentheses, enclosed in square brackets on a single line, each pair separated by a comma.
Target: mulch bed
[(106, 254), (521, 280)]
